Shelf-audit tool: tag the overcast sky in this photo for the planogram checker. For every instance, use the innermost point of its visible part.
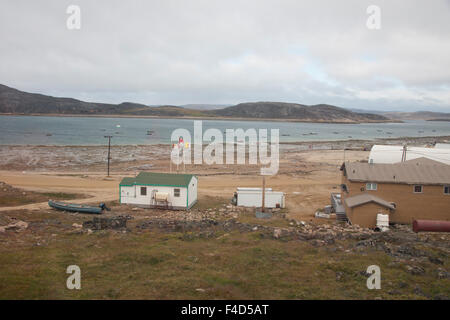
(226, 52)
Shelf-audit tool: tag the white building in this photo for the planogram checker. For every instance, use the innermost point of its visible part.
(252, 197)
(394, 154)
(159, 190)
(442, 146)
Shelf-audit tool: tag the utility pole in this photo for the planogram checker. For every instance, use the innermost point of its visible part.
(263, 193)
(404, 152)
(109, 150)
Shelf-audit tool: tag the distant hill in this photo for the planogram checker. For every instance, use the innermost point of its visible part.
(419, 115)
(202, 106)
(13, 101)
(18, 102)
(282, 110)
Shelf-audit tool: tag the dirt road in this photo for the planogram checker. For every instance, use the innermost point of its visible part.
(306, 177)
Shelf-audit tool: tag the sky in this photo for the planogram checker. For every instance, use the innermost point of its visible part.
(226, 52)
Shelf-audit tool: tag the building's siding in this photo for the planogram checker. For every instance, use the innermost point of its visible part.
(254, 198)
(127, 193)
(192, 192)
(366, 215)
(431, 204)
(146, 200)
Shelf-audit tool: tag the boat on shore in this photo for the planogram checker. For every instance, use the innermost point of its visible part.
(73, 207)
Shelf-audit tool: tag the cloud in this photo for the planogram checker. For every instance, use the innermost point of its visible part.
(179, 52)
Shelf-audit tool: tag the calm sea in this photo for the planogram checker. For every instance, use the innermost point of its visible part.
(31, 130)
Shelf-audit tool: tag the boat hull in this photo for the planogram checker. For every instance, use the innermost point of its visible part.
(74, 207)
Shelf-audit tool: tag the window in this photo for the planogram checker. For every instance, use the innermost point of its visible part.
(176, 192)
(418, 189)
(143, 191)
(371, 186)
(446, 189)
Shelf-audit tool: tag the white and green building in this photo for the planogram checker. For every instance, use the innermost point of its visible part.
(159, 190)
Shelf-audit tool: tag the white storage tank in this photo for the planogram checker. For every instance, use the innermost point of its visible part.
(383, 222)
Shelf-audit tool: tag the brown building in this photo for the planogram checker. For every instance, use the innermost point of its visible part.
(409, 190)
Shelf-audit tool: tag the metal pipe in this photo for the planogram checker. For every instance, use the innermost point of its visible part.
(431, 226)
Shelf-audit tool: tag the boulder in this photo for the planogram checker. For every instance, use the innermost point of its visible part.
(102, 223)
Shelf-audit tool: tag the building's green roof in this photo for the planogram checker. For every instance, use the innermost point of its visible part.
(158, 179)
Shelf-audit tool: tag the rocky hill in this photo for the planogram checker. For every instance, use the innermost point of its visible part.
(13, 101)
(282, 110)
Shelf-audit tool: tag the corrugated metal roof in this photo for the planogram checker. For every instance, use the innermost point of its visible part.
(417, 171)
(364, 198)
(442, 146)
(158, 179)
(393, 154)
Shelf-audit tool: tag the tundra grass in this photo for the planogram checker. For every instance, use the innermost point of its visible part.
(156, 265)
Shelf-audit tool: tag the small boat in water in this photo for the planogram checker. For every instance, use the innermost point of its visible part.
(73, 207)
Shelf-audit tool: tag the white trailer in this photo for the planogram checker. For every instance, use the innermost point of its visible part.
(159, 190)
(252, 197)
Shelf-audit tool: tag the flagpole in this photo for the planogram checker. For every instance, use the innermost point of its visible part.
(170, 158)
(184, 162)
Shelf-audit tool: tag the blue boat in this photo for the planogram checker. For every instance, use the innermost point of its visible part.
(73, 207)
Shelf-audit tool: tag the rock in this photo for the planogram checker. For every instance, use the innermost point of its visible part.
(200, 290)
(442, 273)
(418, 291)
(255, 228)
(435, 260)
(102, 223)
(394, 292)
(317, 242)
(89, 231)
(415, 270)
(364, 273)
(277, 233)
(16, 226)
(77, 225)
(339, 275)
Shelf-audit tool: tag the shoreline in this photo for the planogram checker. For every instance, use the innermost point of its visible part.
(295, 143)
(194, 118)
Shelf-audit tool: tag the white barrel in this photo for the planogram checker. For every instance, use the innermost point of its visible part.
(382, 220)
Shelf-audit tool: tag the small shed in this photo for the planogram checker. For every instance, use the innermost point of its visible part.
(363, 209)
(159, 190)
